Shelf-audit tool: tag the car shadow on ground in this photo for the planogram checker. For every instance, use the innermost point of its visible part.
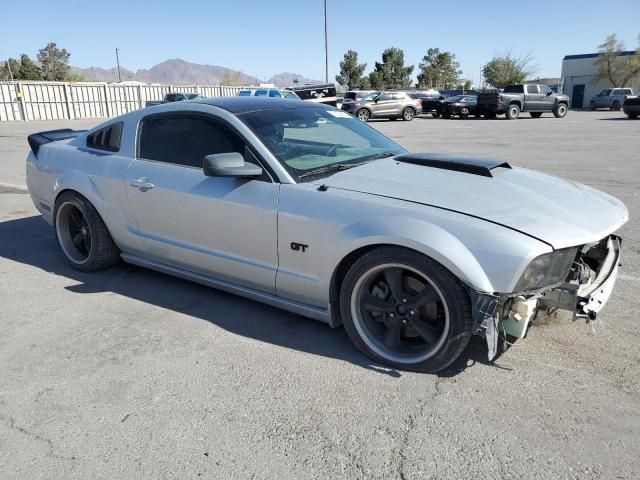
(30, 241)
(617, 119)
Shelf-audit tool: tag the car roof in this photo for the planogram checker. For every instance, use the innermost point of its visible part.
(240, 105)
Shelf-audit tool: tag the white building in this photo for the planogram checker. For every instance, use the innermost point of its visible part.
(578, 79)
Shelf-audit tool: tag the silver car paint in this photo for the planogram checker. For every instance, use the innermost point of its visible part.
(357, 210)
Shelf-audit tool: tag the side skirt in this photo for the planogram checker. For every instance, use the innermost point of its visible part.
(316, 313)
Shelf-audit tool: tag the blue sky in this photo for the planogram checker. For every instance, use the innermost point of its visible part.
(262, 38)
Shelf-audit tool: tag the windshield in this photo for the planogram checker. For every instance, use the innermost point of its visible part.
(306, 140)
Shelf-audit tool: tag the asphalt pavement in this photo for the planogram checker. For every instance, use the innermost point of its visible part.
(128, 373)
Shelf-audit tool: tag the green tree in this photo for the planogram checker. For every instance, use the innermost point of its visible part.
(391, 72)
(10, 70)
(28, 69)
(351, 71)
(618, 69)
(438, 70)
(54, 62)
(506, 69)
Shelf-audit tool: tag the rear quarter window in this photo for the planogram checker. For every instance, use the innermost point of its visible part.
(107, 138)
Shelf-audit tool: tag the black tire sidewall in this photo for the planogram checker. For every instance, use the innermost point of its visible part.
(455, 294)
(511, 116)
(104, 252)
(556, 111)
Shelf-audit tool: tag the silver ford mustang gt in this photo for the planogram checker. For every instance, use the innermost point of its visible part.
(301, 206)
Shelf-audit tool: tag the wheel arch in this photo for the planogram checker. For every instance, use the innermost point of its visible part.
(444, 249)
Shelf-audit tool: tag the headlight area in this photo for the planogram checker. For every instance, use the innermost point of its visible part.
(578, 279)
(547, 270)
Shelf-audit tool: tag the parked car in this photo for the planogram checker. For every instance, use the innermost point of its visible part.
(357, 95)
(533, 98)
(460, 106)
(387, 104)
(611, 98)
(268, 92)
(413, 253)
(631, 107)
(431, 102)
(174, 97)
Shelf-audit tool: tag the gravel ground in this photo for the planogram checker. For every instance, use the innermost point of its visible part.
(132, 374)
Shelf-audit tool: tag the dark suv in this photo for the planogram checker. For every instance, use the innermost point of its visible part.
(389, 104)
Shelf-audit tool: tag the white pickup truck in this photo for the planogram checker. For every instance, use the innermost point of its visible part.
(611, 98)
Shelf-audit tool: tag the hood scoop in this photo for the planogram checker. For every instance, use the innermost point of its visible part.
(474, 166)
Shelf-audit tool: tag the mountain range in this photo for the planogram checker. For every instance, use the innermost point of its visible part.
(180, 72)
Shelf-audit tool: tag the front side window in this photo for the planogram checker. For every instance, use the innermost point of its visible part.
(171, 97)
(184, 139)
(290, 95)
(605, 93)
(274, 94)
(385, 96)
(544, 89)
(399, 96)
(305, 140)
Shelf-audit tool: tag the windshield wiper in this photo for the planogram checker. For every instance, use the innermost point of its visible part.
(336, 167)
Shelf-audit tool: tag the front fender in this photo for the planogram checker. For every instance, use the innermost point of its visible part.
(421, 236)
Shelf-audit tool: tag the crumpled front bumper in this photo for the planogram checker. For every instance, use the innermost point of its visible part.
(584, 301)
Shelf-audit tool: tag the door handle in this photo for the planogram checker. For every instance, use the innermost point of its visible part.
(141, 183)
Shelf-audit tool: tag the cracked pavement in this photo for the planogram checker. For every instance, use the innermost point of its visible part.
(132, 374)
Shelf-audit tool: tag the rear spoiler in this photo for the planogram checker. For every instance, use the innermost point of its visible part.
(36, 140)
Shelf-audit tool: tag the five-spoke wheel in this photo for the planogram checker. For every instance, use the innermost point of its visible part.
(405, 310)
(82, 235)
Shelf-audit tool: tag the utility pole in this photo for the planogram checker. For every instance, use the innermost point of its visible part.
(9, 68)
(118, 62)
(326, 51)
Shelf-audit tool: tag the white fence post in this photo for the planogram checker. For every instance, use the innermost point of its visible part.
(106, 101)
(20, 95)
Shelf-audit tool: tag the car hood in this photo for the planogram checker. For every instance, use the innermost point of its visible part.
(556, 211)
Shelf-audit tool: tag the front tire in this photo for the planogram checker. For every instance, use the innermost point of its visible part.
(408, 114)
(464, 113)
(82, 235)
(405, 310)
(560, 111)
(363, 115)
(513, 112)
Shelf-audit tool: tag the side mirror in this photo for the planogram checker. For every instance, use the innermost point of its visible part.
(549, 93)
(230, 164)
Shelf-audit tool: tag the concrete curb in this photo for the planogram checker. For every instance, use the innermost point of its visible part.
(12, 188)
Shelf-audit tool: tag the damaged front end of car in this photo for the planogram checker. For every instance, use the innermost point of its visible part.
(577, 279)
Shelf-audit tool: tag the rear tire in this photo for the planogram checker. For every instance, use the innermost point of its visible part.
(592, 106)
(408, 114)
(560, 110)
(82, 235)
(363, 115)
(435, 114)
(378, 314)
(535, 114)
(513, 112)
